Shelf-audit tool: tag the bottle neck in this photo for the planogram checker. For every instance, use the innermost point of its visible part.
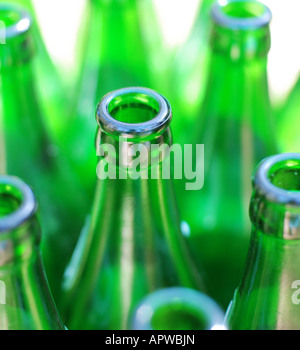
(243, 45)
(134, 222)
(26, 302)
(274, 208)
(19, 228)
(242, 89)
(239, 100)
(21, 115)
(122, 158)
(267, 297)
(20, 244)
(121, 46)
(240, 42)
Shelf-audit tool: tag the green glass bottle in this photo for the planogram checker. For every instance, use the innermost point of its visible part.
(189, 71)
(133, 244)
(115, 57)
(53, 90)
(287, 121)
(26, 302)
(267, 297)
(27, 150)
(235, 126)
(177, 308)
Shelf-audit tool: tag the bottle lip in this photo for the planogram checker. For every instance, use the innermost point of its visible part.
(26, 209)
(264, 185)
(132, 130)
(208, 308)
(223, 19)
(21, 26)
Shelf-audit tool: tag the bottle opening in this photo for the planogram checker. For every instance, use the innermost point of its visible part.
(241, 14)
(178, 316)
(14, 21)
(133, 112)
(178, 308)
(134, 107)
(10, 200)
(278, 177)
(286, 175)
(17, 203)
(9, 16)
(244, 9)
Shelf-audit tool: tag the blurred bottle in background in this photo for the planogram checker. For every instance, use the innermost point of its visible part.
(236, 126)
(188, 74)
(54, 95)
(27, 149)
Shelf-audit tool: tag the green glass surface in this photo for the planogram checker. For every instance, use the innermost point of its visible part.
(53, 92)
(115, 56)
(27, 151)
(189, 68)
(267, 297)
(26, 301)
(133, 244)
(235, 124)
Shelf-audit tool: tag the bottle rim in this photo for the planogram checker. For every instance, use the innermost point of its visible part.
(220, 17)
(264, 185)
(207, 307)
(26, 208)
(21, 26)
(132, 130)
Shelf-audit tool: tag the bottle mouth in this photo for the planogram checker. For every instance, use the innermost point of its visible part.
(241, 14)
(17, 203)
(14, 21)
(178, 308)
(133, 112)
(278, 178)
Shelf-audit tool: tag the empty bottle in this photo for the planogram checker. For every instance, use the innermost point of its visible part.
(133, 244)
(267, 297)
(26, 301)
(177, 308)
(235, 126)
(189, 69)
(27, 150)
(53, 91)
